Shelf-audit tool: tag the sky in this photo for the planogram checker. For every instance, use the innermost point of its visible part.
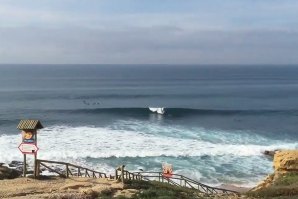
(149, 31)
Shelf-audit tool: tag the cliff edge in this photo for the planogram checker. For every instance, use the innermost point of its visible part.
(284, 180)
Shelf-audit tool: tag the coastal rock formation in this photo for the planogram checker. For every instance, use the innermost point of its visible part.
(7, 173)
(286, 161)
(285, 165)
(270, 153)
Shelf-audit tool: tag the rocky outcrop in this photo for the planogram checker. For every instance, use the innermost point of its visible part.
(270, 153)
(18, 165)
(7, 173)
(286, 161)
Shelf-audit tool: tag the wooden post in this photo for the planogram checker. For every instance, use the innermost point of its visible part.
(35, 165)
(35, 168)
(35, 156)
(38, 167)
(67, 173)
(122, 173)
(24, 166)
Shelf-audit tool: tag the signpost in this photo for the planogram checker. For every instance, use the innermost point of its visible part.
(29, 141)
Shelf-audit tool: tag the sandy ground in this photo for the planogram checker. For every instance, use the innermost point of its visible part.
(59, 188)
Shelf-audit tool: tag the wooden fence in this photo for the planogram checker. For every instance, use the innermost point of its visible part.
(122, 174)
(70, 169)
(175, 179)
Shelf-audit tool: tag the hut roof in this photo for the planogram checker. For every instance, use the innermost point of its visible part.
(29, 125)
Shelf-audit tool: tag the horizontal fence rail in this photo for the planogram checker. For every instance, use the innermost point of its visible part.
(70, 170)
(122, 174)
(175, 179)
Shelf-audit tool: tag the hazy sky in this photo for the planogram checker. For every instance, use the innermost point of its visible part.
(149, 31)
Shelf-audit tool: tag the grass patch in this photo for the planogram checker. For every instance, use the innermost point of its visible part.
(288, 179)
(158, 190)
(286, 186)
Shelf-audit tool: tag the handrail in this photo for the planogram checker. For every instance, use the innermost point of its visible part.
(95, 174)
(187, 182)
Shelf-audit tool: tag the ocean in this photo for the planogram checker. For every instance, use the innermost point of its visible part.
(218, 119)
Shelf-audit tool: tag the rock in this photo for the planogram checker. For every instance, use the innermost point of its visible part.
(8, 173)
(270, 153)
(286, 161)
(30, 172)
(15, 163)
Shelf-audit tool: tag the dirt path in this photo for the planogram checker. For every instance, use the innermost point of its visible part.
(60, 188)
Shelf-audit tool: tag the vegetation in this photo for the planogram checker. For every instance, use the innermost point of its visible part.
(284, 187)
(157, 190)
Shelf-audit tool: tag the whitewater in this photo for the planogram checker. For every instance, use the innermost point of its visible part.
(217, 122)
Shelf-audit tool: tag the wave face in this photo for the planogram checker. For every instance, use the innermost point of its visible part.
(205, 154)
(180, 111)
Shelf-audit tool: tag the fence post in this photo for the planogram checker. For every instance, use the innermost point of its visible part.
(122, 173)
(37, 167)
(67, 174)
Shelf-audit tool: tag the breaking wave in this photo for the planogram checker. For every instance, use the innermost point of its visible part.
(179, 111)
(63, 142)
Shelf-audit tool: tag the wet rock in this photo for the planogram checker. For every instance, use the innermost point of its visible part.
(270, 153)
(8, 173)
(16, 164)
(30, 172)
(58, 169)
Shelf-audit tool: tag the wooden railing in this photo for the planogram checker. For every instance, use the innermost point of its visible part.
(77, 171)
(175, 179)
(121, 174)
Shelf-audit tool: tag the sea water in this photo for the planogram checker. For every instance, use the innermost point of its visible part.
(217, 121)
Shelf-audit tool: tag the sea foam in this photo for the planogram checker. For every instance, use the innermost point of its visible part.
(66, 142)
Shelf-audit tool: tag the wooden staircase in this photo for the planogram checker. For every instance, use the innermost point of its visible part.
(123, 175)
(175, 179)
